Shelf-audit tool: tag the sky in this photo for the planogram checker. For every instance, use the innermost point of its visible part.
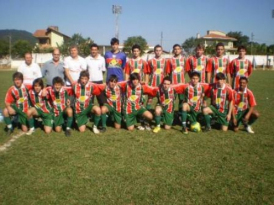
(177, 20)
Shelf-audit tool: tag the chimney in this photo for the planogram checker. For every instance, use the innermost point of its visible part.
(54, 28)
(198, 35)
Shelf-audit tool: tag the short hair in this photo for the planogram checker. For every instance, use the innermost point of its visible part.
(94, 45)
(220, 76)
(84, 73)
(195, 74)
(166, 78)
(241, 47)
(113, 78)
(219, 44)
(17, 75)
(56, 49)
(114, 41)
(199, 46)
(243, 78)
(134, 76)
(157, 46)
(73, 46)
(136, 46)
(38, 81)
(27, 53)
(57, 80)
(176, 45)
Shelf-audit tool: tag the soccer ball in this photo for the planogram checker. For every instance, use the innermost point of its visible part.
(195, 127)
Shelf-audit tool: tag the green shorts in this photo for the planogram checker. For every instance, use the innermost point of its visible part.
(131, 118)
(240, 115)
(192, 115)
(117, 115)
(59, 120)
(167, 118)
(82, 118)
(22, 117)
(47, 118)
(221, 117)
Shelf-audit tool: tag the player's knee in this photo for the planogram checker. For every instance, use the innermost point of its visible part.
(185, 107)
(256, 114)
(5, 112)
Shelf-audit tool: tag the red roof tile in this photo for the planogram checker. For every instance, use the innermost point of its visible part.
(40, 33)
(216, 36)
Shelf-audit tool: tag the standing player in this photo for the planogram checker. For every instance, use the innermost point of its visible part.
(244, 107)
(218, 64)
(158, 68)
(16, 102)
(137, 65)
(115, 61)
(222, 99)
(83, 91)
(240, 67)
(133, 106)
(61, 105)
(39, 99)
(197, 63)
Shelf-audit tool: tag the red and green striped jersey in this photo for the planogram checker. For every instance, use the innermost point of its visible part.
(19, 97)
(198, 65)
(177, 67)
(221, 97)
(166, 98)
(134, 95)
(217, 65)
(239, 68)
(158, 69)
(243, 99)
(137, 66)
(58, 100)
(114, 98)
(39, 101)
(83, 95)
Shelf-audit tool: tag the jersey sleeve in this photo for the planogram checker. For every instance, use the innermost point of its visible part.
(231, 67)
(168, 67)
(124, 60)
(69, 90)
(149, 90)
(146, 71)
(179, 88)
(188, 64)
(228, 67)
(97, 89)
(230, 95)
(122, 85)
(249, 69)
(209, 66)
(149, 69)
(206, 87)
(9, 97)
(127, 68)
(251, 99)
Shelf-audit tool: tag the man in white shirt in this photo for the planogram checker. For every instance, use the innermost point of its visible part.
(30, 70)
(96, 67)
(73, 65)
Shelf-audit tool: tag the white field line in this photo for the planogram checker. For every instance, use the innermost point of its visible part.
(8, 143)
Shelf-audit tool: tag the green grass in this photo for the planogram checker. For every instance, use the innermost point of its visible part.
(139, 167)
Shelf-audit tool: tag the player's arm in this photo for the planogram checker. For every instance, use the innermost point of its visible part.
(151, 91)
(252, 104)
(68, 76)
(179, 88)
(209, 70)
(38, 72)
(127, 71)
(230, 106)
(188, 66)
(249, 69)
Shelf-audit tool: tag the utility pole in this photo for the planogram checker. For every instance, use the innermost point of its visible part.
(252, 35)
(162, 38)
(116, 9)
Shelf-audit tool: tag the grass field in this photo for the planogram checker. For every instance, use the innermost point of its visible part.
(139, 167)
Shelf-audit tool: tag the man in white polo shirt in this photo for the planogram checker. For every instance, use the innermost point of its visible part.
(96, 67)
(30, 70)
(73, 65)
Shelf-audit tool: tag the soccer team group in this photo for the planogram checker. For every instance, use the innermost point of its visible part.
(131, 85)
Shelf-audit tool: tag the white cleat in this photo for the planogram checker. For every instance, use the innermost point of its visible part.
(30, 131)
(95, 130)
(249, 129)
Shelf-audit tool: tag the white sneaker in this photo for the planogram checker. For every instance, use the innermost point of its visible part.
(140, 127)
(147, 127)
(95, 130)
(30, 131)
(249, 129)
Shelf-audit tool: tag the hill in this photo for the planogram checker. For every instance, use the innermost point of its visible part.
(17, 35)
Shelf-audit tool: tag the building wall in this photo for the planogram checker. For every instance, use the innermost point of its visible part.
(56, 39)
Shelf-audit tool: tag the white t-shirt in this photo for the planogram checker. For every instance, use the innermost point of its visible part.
(75, 67)
(30, 72)
(96, 66)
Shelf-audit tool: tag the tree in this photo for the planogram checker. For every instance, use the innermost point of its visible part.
(270, 50)
(21, 47)
(4, 48)
(135, 40)
(241, 39)
(190, 44)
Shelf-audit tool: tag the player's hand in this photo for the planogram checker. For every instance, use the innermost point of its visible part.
(228, 117)
(235, 121)
(44, 92)
(68, 102)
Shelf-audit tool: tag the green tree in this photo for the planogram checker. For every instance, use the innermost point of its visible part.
(241, 39)
(135, 40)
(190, 44)
(21, 47)
(270, 50)
(4, 48)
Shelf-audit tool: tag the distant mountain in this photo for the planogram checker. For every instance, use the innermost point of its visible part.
(17, 35)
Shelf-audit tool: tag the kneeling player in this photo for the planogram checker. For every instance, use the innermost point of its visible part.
(39, 99)
(244, 111)
(16, 102)
(61, 105)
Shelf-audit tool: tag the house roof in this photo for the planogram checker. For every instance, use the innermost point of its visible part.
(216, 36)
(42, 33)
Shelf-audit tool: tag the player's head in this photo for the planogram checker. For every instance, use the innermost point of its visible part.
(199, 50)
(28, 58)
(166, 82)
(57, 83)
(195, 78)
(114, 42)
(84, 77)
(220, 78)
(243, 81)
(112, 81)
(242, 51)
(18, 79)
(136, 50)
(134, 79)
(177, 49)
(56, 54)
(94, 49)
(73, 51)
(38, 85)
(158, 50)
(220, 49)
